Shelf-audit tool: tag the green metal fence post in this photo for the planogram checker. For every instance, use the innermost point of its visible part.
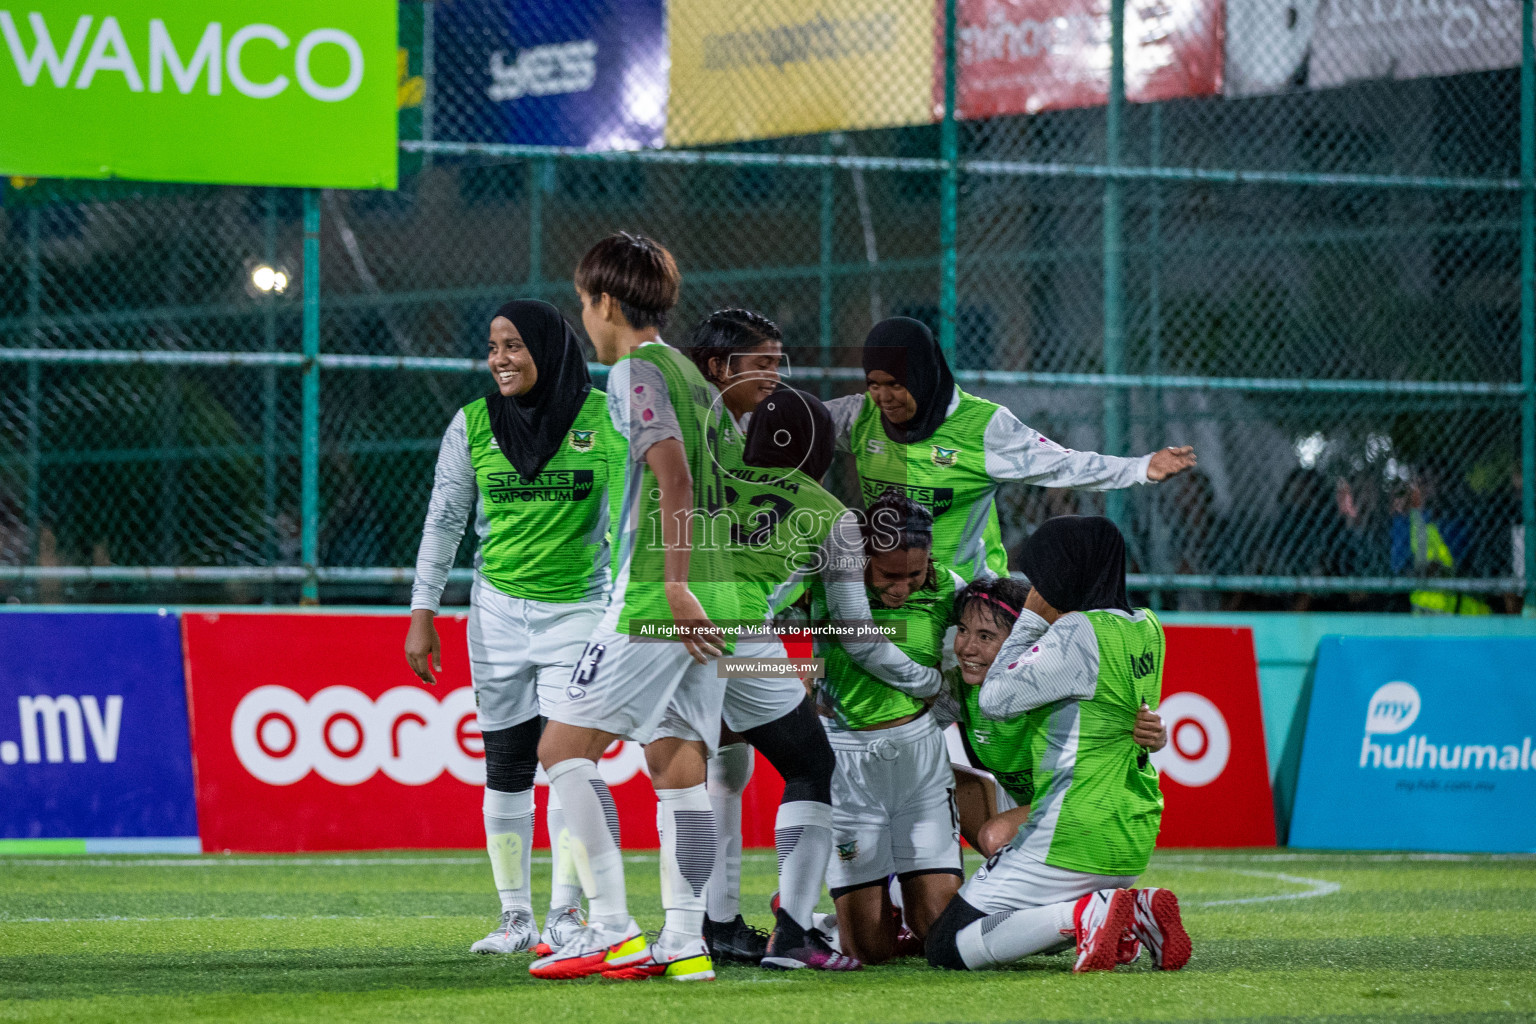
(1114, 255)
(824, 269)
(1155, 344)
(269, 392)
(949, 192)
(34, 388)
(428, 73)
(538, 170)
(1528, 301)
(309, 459)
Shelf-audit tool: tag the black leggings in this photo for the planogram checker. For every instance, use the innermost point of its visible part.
(796, 745)
(512, 756)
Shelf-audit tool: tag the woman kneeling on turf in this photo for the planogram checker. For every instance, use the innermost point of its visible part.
(1079, 663)
(993, 792)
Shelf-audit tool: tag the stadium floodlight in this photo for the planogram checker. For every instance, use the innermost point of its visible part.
(266, 279)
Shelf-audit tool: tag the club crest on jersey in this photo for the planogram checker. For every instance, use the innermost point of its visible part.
(945, 456)
(581, 440)
(848, 851)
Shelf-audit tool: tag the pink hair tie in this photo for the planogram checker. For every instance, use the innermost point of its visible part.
(1000, 604)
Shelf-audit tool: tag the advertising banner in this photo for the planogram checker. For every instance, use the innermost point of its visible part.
(93, 729)
(585, 73)
(763, 68)
(1323, 43)
(1214, 772)
(1419, 744)
(284, 93)
(1025, 56)
(327, 741)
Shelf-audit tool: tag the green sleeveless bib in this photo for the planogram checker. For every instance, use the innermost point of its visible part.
(947, 474)
(547, 539)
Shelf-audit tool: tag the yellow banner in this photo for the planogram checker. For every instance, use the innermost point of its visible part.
(760, 68)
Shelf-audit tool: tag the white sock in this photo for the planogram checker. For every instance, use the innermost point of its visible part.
(564, 885)
(1008, 936)
(802, 834)
(729, 772)
(509, 841)
(592, 822)
(687, 858)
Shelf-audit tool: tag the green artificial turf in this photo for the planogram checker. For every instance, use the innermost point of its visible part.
(1279, 936)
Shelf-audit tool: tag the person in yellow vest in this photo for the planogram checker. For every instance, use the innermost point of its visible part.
(1433, 557)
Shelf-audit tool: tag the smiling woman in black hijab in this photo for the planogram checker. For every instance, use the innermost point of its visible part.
(530, 420)
(914, 430)
(904, 350)
(533, 455)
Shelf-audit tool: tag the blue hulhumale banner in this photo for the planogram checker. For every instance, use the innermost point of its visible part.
(93, 730)
(1420, 744)
(591, 74)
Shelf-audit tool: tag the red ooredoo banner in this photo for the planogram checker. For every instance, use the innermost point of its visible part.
(310, 733)
(1214, 771)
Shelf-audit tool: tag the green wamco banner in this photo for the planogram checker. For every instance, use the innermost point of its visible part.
(284, 92)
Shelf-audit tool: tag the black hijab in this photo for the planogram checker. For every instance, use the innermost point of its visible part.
(530, 428)
(790, 430)
(906, 349)
(1077, 563)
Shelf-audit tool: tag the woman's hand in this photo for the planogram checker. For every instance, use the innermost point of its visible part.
(1149, 731)
(423, 650)
(1168, 461)
(702, 637)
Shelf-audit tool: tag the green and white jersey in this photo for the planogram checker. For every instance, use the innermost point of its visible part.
(656, 393)
(956, 472)
(542, 540)
(856, 697)
(1078, 685)
(1000, 747)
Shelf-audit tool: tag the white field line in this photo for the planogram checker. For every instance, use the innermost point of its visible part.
(1317, 886)
(281, 861)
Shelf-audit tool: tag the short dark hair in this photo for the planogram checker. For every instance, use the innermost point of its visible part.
(894, 522)
(638, 272)
(1001, 596)
(726, 331)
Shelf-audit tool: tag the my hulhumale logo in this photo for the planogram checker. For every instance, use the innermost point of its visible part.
(1395, 707)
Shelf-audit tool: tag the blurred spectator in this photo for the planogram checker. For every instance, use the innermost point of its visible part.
(1430, 541)
(1197, 538)
(1499, 547)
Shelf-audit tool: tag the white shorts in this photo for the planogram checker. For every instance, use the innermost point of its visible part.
(758, 700)
(893, 805)
(1015, 880)
(642, 690)
(521, 652)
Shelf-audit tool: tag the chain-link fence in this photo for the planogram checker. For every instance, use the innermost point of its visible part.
(1288, 233)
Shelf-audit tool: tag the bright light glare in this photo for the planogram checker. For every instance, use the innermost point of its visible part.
(1309, 449)
(269, 280)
